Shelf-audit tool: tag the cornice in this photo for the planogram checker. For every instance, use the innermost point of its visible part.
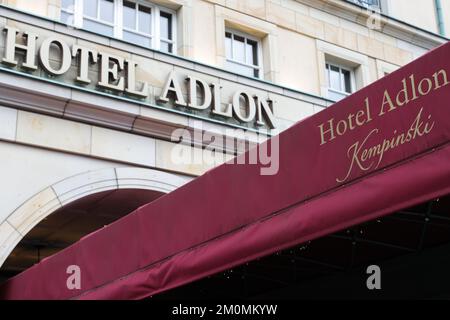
(389, 25)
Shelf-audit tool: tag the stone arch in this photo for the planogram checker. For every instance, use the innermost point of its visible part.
(70, 189)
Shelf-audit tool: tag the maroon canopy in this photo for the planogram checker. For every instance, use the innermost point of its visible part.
(382, 149)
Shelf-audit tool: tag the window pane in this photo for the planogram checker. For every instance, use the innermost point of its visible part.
(165, 25)
(252, 52)
(335, 96)
(66, 18)
(335, 78)
(129, 15)
(68, 4)
(144, 18)
(228, 45)
(137, 39)
(90, 8)
(367, 3)
(107, 10)
(235, 67)
(166, 47)
(239, 49)
(347, 81)
(98, 27)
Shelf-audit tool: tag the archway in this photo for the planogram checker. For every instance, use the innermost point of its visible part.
(81, 203)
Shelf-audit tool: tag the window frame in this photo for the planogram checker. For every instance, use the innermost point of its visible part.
(136, 14)
(67, 10)
(341, 67)
(259, 55)
(118, 25)
(364, 4)
(75, 12)
(98, 19)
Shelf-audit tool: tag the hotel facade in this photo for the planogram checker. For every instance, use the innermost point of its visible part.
(101, 101)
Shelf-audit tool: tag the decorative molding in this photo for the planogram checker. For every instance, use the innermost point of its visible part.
(66, 191)
(389, 25)
(105, 111)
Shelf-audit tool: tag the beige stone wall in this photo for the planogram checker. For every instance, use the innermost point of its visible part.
(203, 37)
(154, 69)
(46, 8)
(446, 10)
(288, 30)
(295, 27)
(94, 142)
(421, 13)
(36, 182)
(297, 61)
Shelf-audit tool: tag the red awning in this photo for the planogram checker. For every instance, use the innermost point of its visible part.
(389, 149)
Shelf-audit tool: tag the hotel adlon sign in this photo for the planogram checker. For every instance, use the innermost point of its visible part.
(118, 75)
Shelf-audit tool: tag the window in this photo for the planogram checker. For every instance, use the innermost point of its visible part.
(68, 11)
(374, 4)
(138, 22)
(137, 25)
(243, 54)
(343, 71)
(385, 68)
(165, 29)
(340, 81)
(98, 16)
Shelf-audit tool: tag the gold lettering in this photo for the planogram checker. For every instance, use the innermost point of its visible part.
(437, 84)
(359, 154)
(386, 101)
(341, 127)
(355, 149)
(413, 86)
(402, 94)
(359, 114)
(350, 121)
(369, 117)
(330, 130)
(428, 126)
(430, 84)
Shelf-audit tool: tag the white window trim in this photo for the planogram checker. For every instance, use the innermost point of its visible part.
(70, 11)
(174, 31)
(384, 67)
(366, 5)
(341, 67)
(246, 36)
(98, 19)
(118, 22)
(357, 61)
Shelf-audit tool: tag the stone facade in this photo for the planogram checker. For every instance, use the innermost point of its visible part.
(52, 129)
